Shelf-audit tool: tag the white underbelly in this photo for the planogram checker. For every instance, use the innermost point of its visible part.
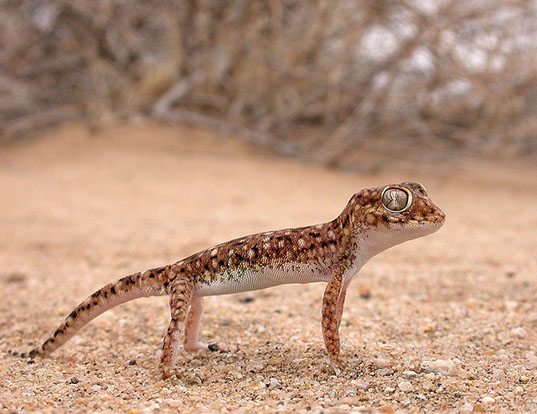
(247, 280)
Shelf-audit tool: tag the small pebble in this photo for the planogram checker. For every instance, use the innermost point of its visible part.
(74, 380)
(487, 400)
(383, 361)
(532, 361)
(387, 409)
(439, 366)
(132, 362)
(247, 299)
(428, 385)
(350, 391)
(510, 274)
(16, 277)
(478, 408)
(468, 407)
(409, 374)
(519, 332)
(274, 383)
(360, 385)
(405, 386)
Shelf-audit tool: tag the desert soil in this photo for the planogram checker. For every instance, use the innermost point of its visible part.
(447, 323)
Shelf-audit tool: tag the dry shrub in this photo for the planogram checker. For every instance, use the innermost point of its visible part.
(318, 79)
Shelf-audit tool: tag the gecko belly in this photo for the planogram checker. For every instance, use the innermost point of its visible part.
(243, 280)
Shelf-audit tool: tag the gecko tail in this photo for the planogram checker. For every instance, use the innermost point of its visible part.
(137, 285)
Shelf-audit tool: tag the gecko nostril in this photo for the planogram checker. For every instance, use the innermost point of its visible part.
(439, 217)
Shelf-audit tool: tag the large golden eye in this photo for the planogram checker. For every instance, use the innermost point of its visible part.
(396, 199)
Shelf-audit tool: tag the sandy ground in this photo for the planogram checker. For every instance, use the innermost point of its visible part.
(444, 323)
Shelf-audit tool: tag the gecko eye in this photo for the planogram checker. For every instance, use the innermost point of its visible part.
(396, 199)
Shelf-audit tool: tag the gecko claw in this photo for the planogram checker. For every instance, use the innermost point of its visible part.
(166, 373)
(338, 367)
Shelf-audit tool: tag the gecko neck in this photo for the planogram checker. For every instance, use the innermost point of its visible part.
(362, 239)
(370, 240)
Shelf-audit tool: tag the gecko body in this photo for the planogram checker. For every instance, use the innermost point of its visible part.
(373, 220)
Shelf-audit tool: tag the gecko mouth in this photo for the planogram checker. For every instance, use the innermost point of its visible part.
(436, 219)
(435, 223)
(426, 226)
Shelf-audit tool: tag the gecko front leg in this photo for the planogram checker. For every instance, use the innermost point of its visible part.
(341, 301)
(192, 330)
(331, 315)
(180, 298)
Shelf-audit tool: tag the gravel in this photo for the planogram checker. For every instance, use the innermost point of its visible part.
(433, 325)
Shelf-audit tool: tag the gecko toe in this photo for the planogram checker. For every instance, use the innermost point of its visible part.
(166, 373)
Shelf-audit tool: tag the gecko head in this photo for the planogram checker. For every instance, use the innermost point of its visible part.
(400, 211)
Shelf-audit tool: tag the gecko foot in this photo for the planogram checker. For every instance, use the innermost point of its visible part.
(202, 346)
(166, 372)
(337, 367)
(342, 370)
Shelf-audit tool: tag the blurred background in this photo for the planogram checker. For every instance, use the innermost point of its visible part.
(319, 80)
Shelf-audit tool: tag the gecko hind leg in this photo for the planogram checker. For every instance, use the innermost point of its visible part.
(180, 298)
(341, 301)
(192, 330)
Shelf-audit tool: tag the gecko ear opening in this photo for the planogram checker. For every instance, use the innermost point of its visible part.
(396, 199)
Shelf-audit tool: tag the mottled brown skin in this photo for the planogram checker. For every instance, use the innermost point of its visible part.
(180, 295)
(331, 315)
(336, 249)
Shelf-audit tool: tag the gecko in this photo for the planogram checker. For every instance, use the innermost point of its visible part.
(373, 220)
